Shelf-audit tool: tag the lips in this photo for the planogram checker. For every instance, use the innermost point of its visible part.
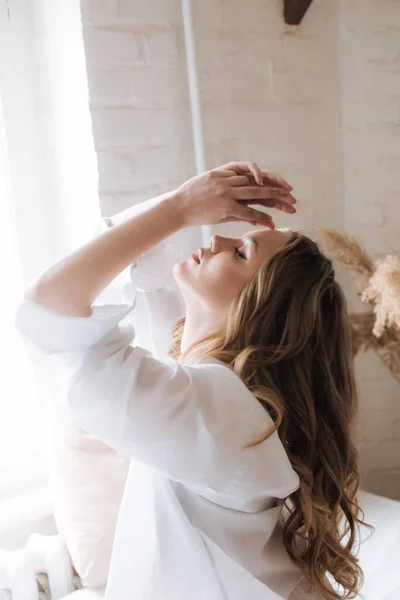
(198, 257)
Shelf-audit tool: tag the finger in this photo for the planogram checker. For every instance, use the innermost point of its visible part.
(272, 203)
(245, 167)
(224, 172)
(258, 192)
(256, 172)
(271, 182)
(284, 195)
(237, 180)
(239, 166)
(242, 167)
(246, 213)
(275, 179)
(238, 220)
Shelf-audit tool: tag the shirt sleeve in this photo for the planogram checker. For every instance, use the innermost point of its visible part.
(152, 271)
(190, 422)
(148, 286)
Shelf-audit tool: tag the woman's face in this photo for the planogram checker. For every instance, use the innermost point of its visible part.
(217, 274)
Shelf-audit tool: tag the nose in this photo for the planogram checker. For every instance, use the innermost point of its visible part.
(219, 243)
(215, 244)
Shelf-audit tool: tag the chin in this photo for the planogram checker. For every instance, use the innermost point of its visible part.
(185, 278)
(179, 270)
(181, 273)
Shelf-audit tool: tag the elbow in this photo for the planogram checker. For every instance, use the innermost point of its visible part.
(58, 302)
(38, 292)
(32, 293)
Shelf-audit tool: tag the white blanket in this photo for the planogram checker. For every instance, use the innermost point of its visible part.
(379, 555)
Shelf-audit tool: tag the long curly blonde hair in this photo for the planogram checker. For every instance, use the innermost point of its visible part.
(288, 339)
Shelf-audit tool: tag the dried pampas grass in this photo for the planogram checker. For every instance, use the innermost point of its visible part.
(379, 287)
(383, 291)
(348, 251)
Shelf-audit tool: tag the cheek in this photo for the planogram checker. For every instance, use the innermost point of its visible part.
(221, 280)
(217, 281)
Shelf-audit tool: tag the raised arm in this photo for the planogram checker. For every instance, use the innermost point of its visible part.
(70, 286)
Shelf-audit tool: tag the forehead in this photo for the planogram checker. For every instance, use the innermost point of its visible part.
(269, 240)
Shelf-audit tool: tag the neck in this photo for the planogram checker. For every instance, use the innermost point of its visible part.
(199, 323)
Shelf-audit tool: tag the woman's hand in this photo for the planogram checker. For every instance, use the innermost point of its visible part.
(225, 194)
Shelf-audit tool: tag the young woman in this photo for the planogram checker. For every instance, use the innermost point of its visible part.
(244, 476)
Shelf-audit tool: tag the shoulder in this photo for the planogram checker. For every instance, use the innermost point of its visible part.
(226, 397)
(235, 416)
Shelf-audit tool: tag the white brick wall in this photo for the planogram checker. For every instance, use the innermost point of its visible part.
(319, 103)
(139, 102)
(369, 57)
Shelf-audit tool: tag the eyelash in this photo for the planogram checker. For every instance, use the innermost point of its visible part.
(239, 254)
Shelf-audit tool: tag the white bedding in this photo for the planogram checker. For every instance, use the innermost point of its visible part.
(86, 594)
(379, 555)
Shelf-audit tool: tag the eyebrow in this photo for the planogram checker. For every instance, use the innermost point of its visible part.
(252, 241)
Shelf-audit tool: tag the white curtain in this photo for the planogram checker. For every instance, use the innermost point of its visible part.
(18, 449)
(48, 198)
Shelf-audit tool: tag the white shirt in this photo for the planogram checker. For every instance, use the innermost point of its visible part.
(200, 516)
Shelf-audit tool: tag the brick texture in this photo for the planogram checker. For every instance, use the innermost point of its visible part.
(319, 103)
(369, 58)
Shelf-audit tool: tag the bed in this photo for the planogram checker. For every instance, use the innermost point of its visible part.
(379, 553)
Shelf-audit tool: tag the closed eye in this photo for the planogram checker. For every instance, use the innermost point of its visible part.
(240, 254)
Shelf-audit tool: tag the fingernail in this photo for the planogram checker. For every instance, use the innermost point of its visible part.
(270, 224)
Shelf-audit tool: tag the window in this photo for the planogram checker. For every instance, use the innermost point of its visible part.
(21, 449)
(48, 200)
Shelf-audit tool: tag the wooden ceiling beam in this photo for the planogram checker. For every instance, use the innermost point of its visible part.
(294, 10)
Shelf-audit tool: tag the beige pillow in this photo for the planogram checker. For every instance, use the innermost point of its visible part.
(86, 476)
(87, 480)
